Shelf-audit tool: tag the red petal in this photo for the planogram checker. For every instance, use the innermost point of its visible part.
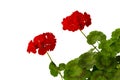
(31, 47)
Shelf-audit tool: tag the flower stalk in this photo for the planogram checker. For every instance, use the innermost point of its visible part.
(49, 57)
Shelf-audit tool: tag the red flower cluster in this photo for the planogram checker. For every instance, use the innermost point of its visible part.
(43, 42)
(76, 21)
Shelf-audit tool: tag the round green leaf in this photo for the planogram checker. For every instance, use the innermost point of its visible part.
(61, 66)
(95, 36)
(100, 75)
(87, 60)
(105, 63)
(53, 69)
(116, 34)
(74, 72)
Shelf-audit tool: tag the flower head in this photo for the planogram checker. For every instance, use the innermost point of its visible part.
(43, 42)
(31, 47)
(76, 21)
(87, 19)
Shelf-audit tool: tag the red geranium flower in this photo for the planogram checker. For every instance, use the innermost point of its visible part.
(87, 19)
(76, 21)
(43, 42)
(31, 47)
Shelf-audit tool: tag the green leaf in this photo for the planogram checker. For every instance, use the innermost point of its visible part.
(116, 75)
(106, 45)
(95, 36)
(100, 75)
(116, 34)
(53, 69)
(116, 46)
(87, 60)
(61, 66)
(108, 48)
(74, 72)
(118, 66)
(105, 63)
(116, 39)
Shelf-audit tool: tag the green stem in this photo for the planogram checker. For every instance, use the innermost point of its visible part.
(49, 57)
(86, 38)
(60, 75)
(53, 62)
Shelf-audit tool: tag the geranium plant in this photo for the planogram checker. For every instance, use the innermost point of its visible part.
(101, 62)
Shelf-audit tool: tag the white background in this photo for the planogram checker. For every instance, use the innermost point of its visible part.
(21, 20)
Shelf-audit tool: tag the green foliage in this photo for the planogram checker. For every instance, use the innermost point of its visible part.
(116, 46)
(107, 49)
(53, 69)
(97, 65)
(111, 46)
(61, 66)
(74, 72)
(95, 36)
(87, 60)
(100, 75)
(100, 64)
(116, 75)
(116, 34)
(105, 63)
